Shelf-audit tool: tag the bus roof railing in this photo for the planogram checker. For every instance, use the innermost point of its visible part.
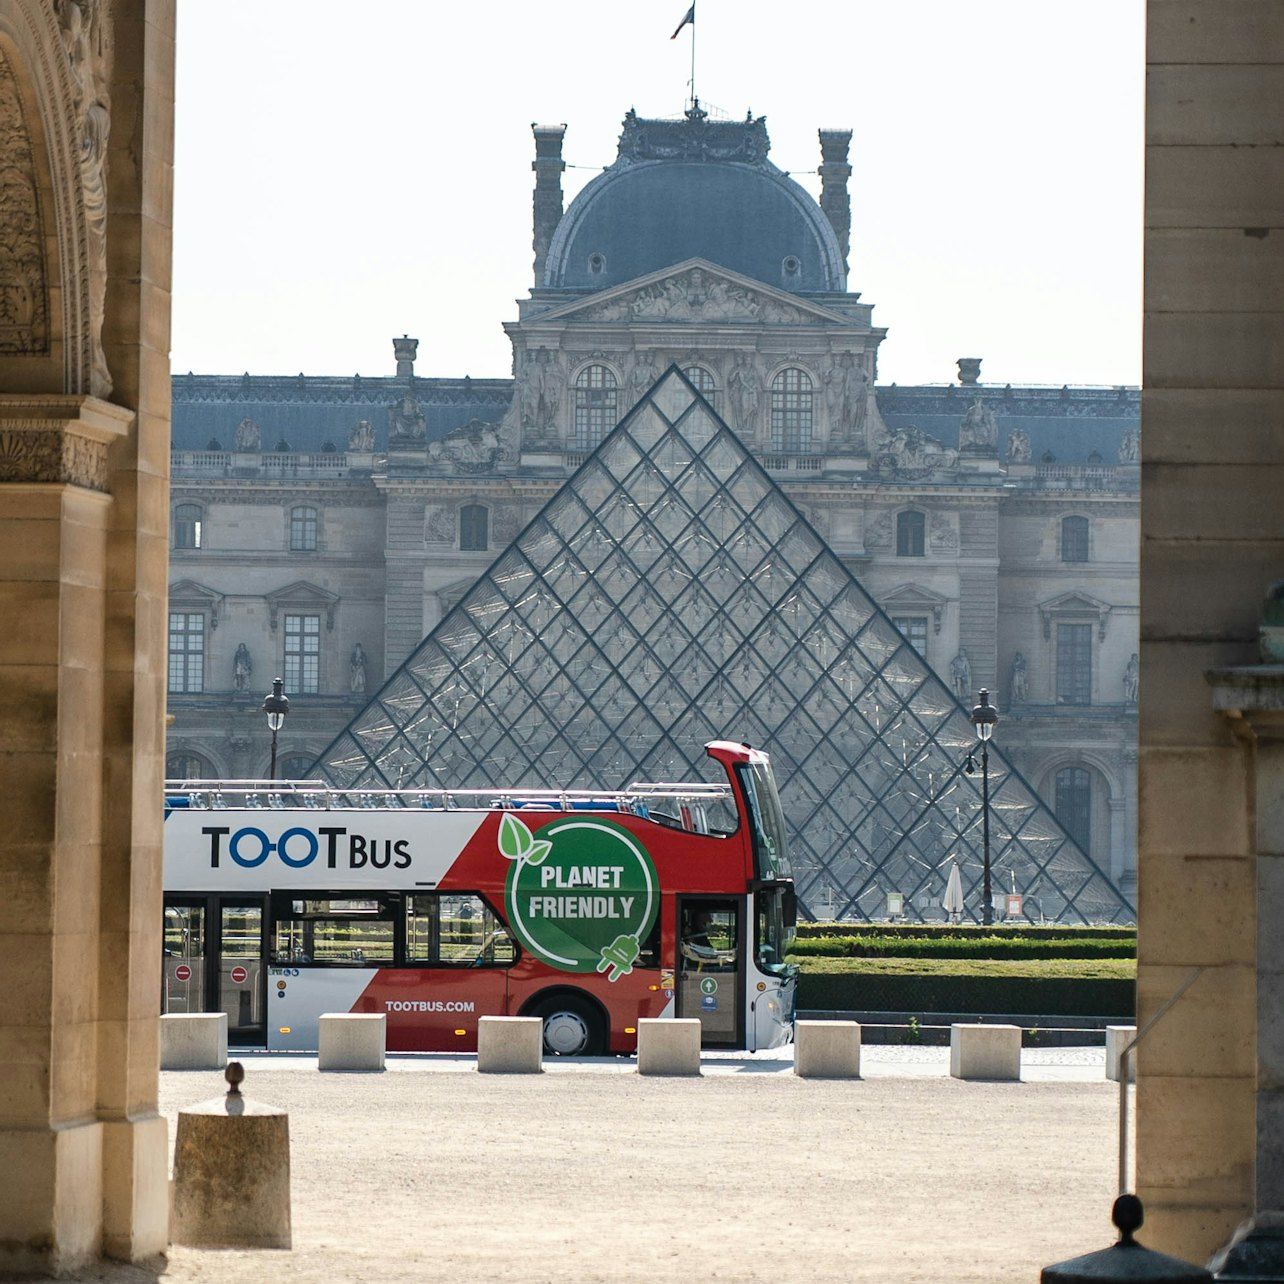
(273, 795)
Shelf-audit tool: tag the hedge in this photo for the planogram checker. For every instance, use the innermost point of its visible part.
(976, 945)
(1043, 996)
(967, 931)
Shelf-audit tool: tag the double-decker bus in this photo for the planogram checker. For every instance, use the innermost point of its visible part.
(588, 909)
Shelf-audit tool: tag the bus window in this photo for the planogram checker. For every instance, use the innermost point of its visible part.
(767, 821)
(456, 929)
(333, 932)
(777, 923)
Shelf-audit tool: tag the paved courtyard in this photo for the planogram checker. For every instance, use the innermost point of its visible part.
(588, 1172)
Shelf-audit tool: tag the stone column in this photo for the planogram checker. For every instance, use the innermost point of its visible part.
(83, 545)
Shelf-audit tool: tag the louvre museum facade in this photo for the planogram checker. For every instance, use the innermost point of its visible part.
(692, 512)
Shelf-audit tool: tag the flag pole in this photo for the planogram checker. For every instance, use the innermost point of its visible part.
(694, 101)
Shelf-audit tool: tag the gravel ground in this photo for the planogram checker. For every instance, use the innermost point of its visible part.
(590, 1173)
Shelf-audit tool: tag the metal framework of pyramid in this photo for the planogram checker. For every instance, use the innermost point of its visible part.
(671, 594)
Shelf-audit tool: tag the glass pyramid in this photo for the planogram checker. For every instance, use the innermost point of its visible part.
(671, 594)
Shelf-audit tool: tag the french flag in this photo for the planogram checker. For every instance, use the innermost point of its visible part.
(689, 18)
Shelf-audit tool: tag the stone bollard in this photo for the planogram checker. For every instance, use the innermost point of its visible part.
(668, 1046)
(1118, 1037)
(351, 1041)
(193, 1041)
(985, 1051)
(827, 1049)
(231, 1185)
(510, 1045)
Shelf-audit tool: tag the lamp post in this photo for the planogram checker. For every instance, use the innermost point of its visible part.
(276, 705)
(984, 716)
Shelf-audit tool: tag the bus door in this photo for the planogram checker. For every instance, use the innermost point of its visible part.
(711, 972)
(214, 961)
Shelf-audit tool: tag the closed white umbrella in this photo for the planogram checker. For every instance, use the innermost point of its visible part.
(953, 901)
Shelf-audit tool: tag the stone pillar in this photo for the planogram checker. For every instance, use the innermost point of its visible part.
(548, 166)
(83, 551)
(834, 172)
(1212, 471)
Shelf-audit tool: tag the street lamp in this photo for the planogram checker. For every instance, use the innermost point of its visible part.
(276, 706)
(984, 716)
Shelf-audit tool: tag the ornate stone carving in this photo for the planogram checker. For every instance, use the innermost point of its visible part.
(909, 454)
(86, 27)
(361, 439)
(248, 439)
(695, 137)
(24, 305)
(878, 534)
(943, 534)
(695, 296)
(847, 393)
(242, 667)
(474, 449)
(961, 676)
(1130, 447)
(406, 419)
(357, 670)
(1018, 446)
(53, 456)
(439, 525)
(1019, 687)
(979, 431)
(644, 373)
(744, 394)
(537, 397)
(1132, 679)
(506, 522)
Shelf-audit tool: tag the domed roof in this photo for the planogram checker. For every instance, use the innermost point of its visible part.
(694, 188)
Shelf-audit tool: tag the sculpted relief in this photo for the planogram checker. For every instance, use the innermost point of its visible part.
(537, 397)
(475, 448)
(909, 454)
(24, 305)
(695, 296)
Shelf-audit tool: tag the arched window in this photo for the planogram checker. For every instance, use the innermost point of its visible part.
(189, 522)
(1074, 804)
(595, 406)
(703, 381)
(303, 529)
(295, 766)
(1074, 539)
(911, 526)
(187, 766)
(791, 397)
(474, 528)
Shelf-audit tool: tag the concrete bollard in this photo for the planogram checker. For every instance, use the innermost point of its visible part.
(985, 1051)
(1118, 1037)
(193, 1041)
(668, 1046)
(231, 1185)
(827, 1049)
(510, 1045)
(351, 1041)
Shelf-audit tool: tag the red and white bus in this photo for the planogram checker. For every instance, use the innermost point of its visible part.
(438, 907)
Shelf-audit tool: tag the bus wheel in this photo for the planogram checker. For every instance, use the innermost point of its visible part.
(571, 1027)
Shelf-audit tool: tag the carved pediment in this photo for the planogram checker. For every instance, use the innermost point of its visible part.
(188, 595)
(916, 599)
(1074, 604)
(696, 291)
(301, 596)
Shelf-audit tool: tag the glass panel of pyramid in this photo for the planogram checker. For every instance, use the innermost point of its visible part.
(671, 594)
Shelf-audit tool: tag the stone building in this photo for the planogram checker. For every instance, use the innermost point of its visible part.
(322, 527)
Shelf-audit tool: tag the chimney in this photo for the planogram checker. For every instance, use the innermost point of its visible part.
(548, 166)
(834, 173)
(405, 349)
(969, 370)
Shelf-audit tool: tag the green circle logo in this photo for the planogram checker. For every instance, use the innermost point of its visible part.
(582, 896)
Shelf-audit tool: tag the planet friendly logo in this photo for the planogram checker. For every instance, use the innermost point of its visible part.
(582, 896)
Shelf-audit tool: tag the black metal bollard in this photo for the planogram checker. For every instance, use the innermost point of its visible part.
(1127, 1260)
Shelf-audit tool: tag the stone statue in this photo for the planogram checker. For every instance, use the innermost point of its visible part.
(242, 667)
(643, 376)
(979, 430)
(855, 398)
(362, 436)
(1020, 691)
(1018, 446)
(1130, 447)
(743, 390)
(543, 395)
(833, 382)
(357, 669)
(406, 419)
(961, 676)
(1132, 678)
(248, 437)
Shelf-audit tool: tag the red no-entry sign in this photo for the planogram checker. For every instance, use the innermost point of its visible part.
(182, 972)
(238, 974)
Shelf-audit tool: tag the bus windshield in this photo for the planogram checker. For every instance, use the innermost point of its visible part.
(767, 822)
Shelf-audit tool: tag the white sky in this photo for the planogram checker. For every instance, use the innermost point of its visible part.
(350, 171)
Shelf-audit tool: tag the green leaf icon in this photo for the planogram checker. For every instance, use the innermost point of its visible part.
(539, 849)
(514, 838)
